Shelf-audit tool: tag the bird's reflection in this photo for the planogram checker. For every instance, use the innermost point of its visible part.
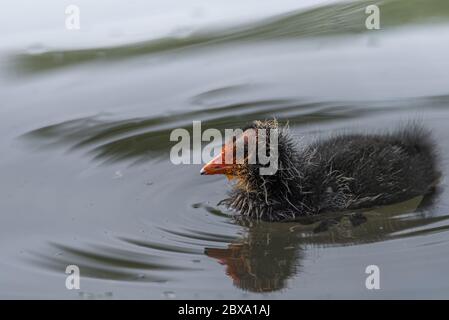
(271, 253)
(263, 260)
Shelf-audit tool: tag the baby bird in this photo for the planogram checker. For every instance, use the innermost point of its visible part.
(341, 173)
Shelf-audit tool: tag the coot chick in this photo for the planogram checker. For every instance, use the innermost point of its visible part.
(343, 172)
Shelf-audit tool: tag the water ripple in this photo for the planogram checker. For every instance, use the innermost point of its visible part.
(328, 20)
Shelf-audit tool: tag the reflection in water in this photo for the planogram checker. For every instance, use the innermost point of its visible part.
(309, 61)
(340, 19)
(105, 262)
(262, 260)
(143, 139)
(270, 253)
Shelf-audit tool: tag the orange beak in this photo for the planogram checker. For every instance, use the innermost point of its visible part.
(218, 166)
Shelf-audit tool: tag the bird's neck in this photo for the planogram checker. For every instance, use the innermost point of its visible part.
(283, 184)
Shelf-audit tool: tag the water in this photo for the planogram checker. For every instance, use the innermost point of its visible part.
(84, 134)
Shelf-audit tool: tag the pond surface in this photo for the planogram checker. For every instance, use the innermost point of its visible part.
(85, 119)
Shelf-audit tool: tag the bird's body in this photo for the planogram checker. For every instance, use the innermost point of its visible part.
(343, 172)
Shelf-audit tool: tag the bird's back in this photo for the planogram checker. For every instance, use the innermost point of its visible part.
(363, 170)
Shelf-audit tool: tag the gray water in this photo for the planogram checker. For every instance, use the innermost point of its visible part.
(85, 119)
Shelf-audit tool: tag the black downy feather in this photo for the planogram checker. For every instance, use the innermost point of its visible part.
(343, 172)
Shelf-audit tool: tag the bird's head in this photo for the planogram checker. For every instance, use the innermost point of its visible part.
(268, 173)
(253, 152)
